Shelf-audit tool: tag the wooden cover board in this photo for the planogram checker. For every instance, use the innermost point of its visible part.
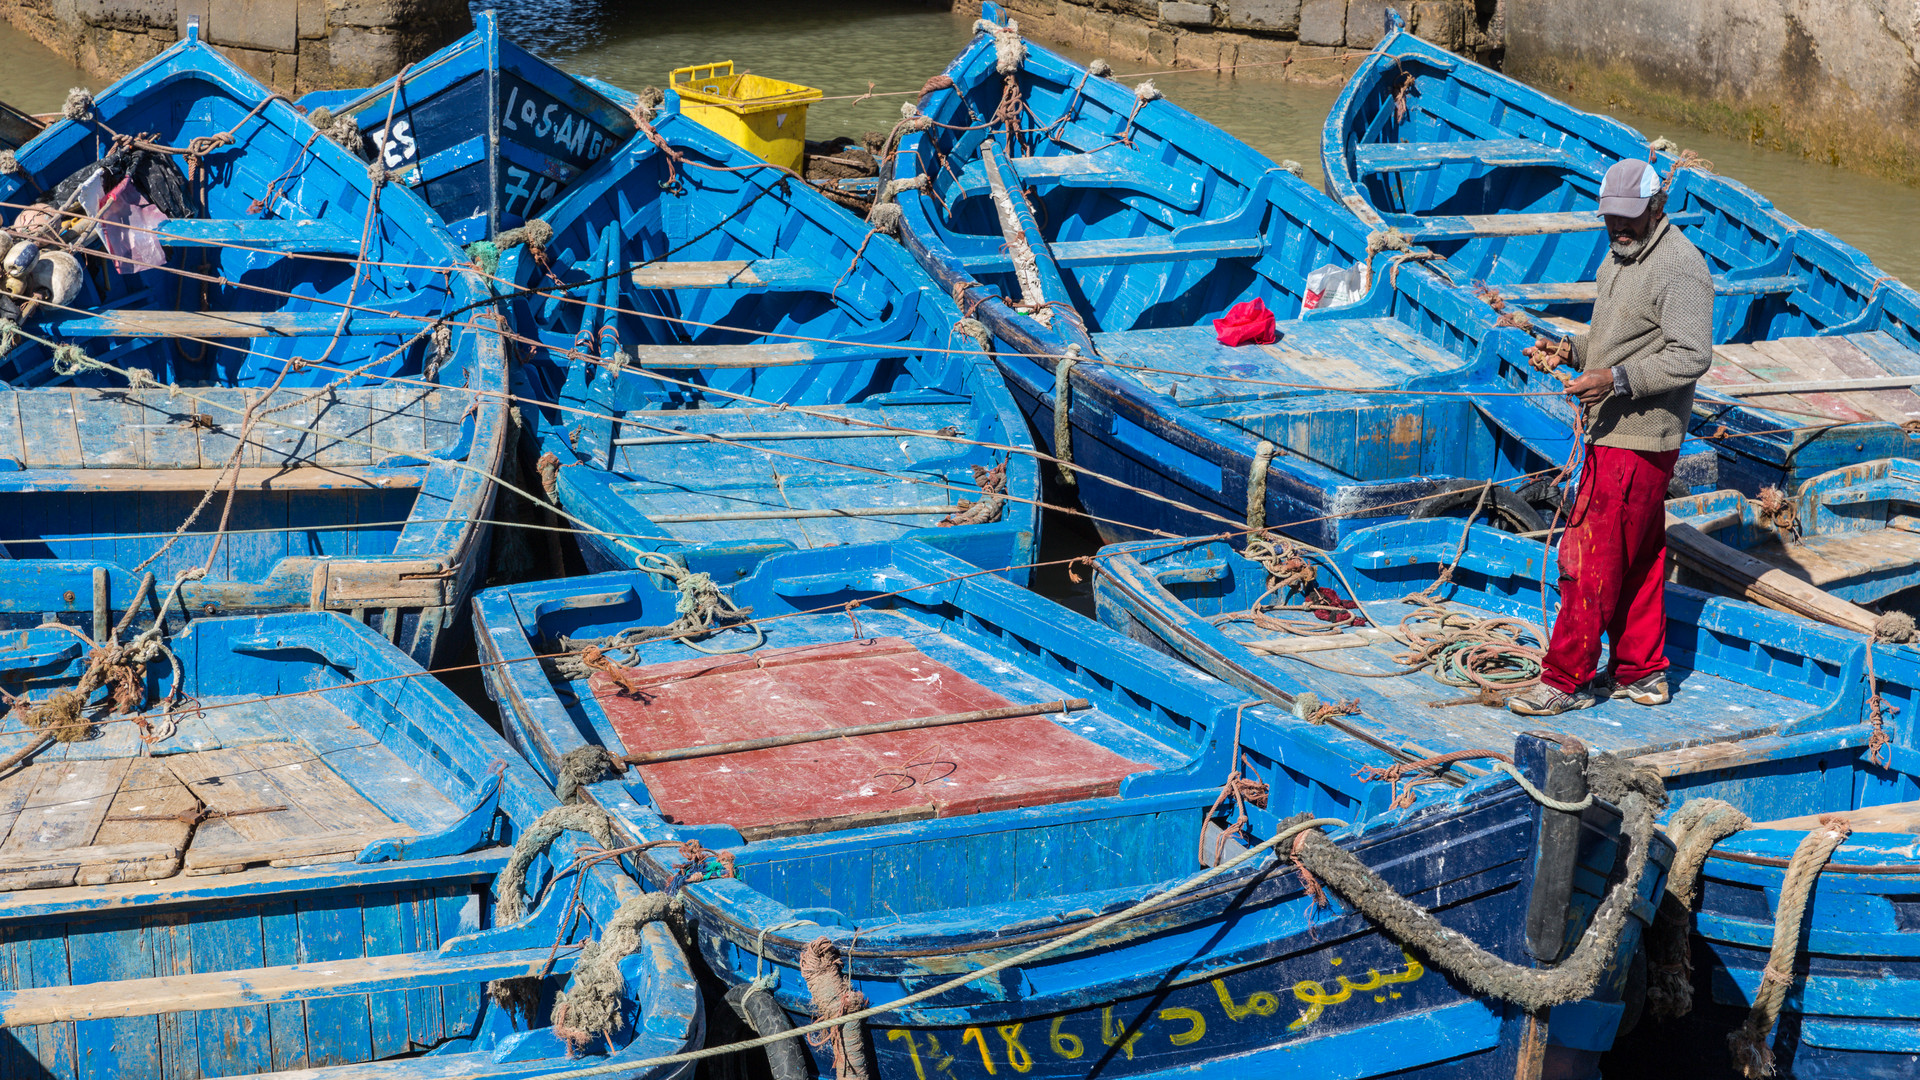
(843, 783)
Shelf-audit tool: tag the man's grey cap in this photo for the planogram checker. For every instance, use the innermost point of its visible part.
(1628, 186)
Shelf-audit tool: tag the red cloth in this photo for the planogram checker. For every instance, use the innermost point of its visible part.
(1246, 324)
(1613, 560)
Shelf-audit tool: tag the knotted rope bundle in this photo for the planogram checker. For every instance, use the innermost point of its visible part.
(579, 767)
(511, 904)
(832, 997)
(1638, 794)
(1752, 1056)
(590, 1006)
(1694, 829)
(993, 487)
(701, 609)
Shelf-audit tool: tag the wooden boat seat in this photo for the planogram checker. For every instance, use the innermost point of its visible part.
(789, 275)
(1116, 171)
(226, 324)
(1162, 247)
(93, 821)
(762, 355)
(1839, 558)
(854, 782)
(1466, 227)
(304, 237)
(1891, 818)
(1582, 292)
(1505, 153)
(267, 985)
(304, 477)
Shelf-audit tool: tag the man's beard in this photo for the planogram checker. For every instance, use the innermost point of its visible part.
(1627, 246)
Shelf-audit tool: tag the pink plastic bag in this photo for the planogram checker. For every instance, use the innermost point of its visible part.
(1249, 323)
(127, 224)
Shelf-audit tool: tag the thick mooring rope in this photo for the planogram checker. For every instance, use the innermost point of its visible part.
(590, 1005)
(511, 904)
(1257, 485)
(1063, 415)
(1752, 1056)
(1694, 829)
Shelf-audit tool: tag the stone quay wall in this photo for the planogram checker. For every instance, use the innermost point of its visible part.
(1304, 40)
(293, 46)
(1831, 80)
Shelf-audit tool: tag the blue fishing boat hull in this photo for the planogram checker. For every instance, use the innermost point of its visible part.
(486, 132)
(1770, 713)
(1245, 973)
(141, 410)
(301, 876)
(1503, 181)
(1148, 222)
(747, 369)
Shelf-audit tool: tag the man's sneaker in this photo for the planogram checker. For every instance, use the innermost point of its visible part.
(1544, 700)
(1647, 690)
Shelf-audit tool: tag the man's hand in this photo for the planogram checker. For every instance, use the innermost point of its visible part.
(1593, 387)
(1546, 353)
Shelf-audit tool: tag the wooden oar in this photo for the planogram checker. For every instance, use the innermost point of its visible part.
(1009, 712)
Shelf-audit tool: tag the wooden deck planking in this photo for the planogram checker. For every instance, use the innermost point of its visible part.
(1895, 406)
(998, 764)
(1824, 560)
(1734, 366)
(70, 799)
(1812, 364)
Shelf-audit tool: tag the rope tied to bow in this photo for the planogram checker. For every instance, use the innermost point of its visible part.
(1401, 776)
(993, 487)
(1694, 829)
(590, 1005)
(1063, 414)
(1257, 485)
(1752, 1055)
(510, 887)
(833, 997)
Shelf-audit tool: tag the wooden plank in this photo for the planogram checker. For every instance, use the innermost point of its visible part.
(308, 850)
(1761, 583)
(1894, 404)
(775, 354)
(229, 324)
(292, 478)
(1742, 365)
(1292, 646)
(149, 791)
(307, 782)
(1501, 153)
(301, 235)
(1891, 818)
(64, 812)
(15, 788)
(1817, 365)
(89, 864)
(47, 433)
(229, 781)
(717, 274)
(293, 982)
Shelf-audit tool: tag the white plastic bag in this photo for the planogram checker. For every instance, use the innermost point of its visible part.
(1333, 286)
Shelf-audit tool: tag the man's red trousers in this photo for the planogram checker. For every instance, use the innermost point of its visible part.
(1613, 570)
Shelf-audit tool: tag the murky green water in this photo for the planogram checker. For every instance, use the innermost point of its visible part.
(896, 44)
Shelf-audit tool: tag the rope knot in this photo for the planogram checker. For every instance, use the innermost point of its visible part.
(9, 164)
(1896, 627)
(1387, 239)
(70, 360)
(1100, 69)
(1008, 50)
(1145, 92)
(1294, 167)
(79, 105)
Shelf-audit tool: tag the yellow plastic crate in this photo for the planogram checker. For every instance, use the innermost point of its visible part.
(766, 116)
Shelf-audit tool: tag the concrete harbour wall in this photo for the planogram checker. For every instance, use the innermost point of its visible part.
(1308, 40)
(1832, 80)
(292, 45)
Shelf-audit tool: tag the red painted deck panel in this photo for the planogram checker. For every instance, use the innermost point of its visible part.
(843, 783)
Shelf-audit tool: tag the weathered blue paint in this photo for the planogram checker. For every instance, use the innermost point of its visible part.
(1770, 712)
(781, 327)
(1503, 181)
(486, 132)
(1246, 969)
(409, 931)
(1146, 223)
(1848, 530)
(98, 476)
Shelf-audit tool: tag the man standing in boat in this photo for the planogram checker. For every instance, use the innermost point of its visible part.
(1650, 340)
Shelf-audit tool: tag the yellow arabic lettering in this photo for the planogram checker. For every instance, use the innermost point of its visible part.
(972, 1034)
(1017, 1055)
(1194, 1033)
(1066, 1044)
(1259, 1003)
(1317, 997)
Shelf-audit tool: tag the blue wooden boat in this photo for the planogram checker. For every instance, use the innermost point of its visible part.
(921, 856)
(289, 851)
(1850, 531)
(361, 407)
(486, 132)
(1503, 181)
(1145, 222)
(1771, 713)
(746, 368)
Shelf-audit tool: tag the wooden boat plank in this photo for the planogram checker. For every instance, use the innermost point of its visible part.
(999, 764)
(1887, 818)
(296, 478)
(341, 418)
(1350, 354)
(1126, 251)
(1112, 171)
(227, 324)
(307, 781)
(1391, 157)
(220, 852)
(327, 978)
(1791, 362)
(792, 274)
(68, 803)
(150, 790)
(1892, 405)
(305, 236)
(15, 788)
(167, 437)
(47, 432)
(1893, 357)
(231, 782)
(1740, 365)
(1832, 559)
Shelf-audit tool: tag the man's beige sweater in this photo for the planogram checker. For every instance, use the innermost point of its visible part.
(1652, 320)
